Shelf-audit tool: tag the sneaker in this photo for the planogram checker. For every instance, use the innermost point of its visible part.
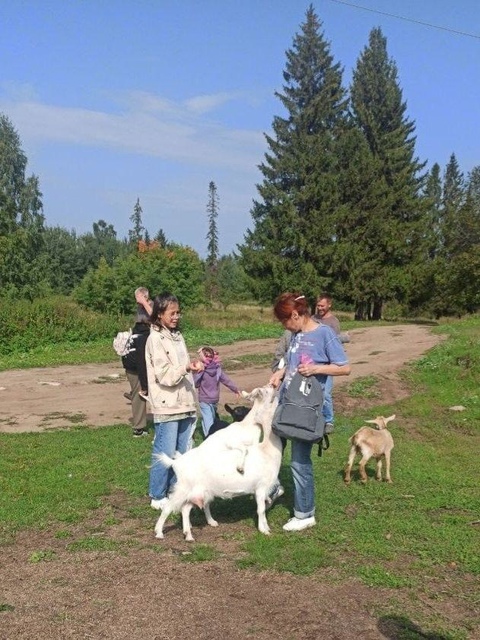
(158, 504)
(143, 396)
(127, 395)
(138, 433)
(278, 493)
(329, 427)
(297, 524)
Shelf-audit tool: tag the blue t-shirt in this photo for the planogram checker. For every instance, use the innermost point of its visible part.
(320, 346)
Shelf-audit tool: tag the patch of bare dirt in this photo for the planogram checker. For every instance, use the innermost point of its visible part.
(92, 394)
(148, 591)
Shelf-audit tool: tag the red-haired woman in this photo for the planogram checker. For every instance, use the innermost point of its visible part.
(314, 350)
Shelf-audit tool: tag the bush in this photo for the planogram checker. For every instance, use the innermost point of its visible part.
(173, 268)
(26, 325)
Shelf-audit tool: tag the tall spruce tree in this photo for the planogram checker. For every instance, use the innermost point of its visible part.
(394, 241)
(212, 234)
(211, 276)
(458, 274)
(291, 244)
(454, 194)
(136, 233)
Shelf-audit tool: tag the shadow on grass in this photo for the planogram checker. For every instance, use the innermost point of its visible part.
(401, 628)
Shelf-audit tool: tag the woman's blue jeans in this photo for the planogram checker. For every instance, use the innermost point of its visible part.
(327, 409)
(303, 483)
(171, 436)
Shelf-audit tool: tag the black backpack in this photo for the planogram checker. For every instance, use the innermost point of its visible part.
(299, 416)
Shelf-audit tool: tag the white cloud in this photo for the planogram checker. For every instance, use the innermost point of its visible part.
(204, 103)
(149, 125)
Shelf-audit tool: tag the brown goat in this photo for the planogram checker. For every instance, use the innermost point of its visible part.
(368, 442)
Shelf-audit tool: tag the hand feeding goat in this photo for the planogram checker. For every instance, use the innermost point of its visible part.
(206, 472)
(370, 443)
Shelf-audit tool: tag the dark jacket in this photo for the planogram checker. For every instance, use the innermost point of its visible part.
(208, 383)
(134, 361)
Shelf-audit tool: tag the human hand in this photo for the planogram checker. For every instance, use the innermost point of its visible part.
(276, 378)
(307, 369)
(196, 365)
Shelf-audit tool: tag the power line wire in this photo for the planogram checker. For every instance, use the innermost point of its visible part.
(392, 15)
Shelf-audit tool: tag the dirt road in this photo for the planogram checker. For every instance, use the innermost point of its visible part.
(40, 399)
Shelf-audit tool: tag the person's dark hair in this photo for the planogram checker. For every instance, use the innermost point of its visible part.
(142, 315)
(325, 295)
(160, 304)
(287, 303)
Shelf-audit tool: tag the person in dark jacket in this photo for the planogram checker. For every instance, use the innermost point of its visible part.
(136, 369)
(208, 384)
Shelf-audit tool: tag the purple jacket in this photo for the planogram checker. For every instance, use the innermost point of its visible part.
(208, 383)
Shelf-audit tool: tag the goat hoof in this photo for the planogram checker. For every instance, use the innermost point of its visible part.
(213, 523)
(189, 538)
(159, 535)
(241, 470)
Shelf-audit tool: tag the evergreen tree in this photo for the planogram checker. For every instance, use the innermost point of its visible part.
(211, 271)
(291, 245)
(21, 218)
(433, 193)
(212, 235)
(161, 238)
(454, 194)
(379, 111)
(136, 233)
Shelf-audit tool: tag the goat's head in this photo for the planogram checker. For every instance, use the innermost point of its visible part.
(381, 422)
(237, 413)
(264, 394)
(265, 400)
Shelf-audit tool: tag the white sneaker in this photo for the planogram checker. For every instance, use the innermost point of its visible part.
(297, 524)
(158, 504)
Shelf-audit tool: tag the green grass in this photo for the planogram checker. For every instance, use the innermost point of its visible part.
(409, 537)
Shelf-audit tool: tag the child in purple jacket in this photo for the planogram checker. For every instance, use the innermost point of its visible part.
(208, 384)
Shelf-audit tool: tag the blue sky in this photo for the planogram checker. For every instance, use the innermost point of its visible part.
(153, 99)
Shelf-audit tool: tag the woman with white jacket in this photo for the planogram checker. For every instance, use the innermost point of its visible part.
(171, 392)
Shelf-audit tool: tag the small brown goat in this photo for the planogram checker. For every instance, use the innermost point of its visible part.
(368, 442)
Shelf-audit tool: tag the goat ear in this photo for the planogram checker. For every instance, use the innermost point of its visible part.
(254, 393)
(390, 418)
(379, 421)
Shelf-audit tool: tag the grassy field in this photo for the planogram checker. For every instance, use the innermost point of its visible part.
(419, 538)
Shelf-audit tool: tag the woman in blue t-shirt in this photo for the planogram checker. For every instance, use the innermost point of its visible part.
(314, 350)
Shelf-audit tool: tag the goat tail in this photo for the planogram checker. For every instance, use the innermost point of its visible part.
(164, 459)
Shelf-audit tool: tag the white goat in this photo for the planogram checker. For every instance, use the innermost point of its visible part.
(204, 472)
(370, 443)
(240, 434)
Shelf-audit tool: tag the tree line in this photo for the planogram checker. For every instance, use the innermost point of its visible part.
(344, 205)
